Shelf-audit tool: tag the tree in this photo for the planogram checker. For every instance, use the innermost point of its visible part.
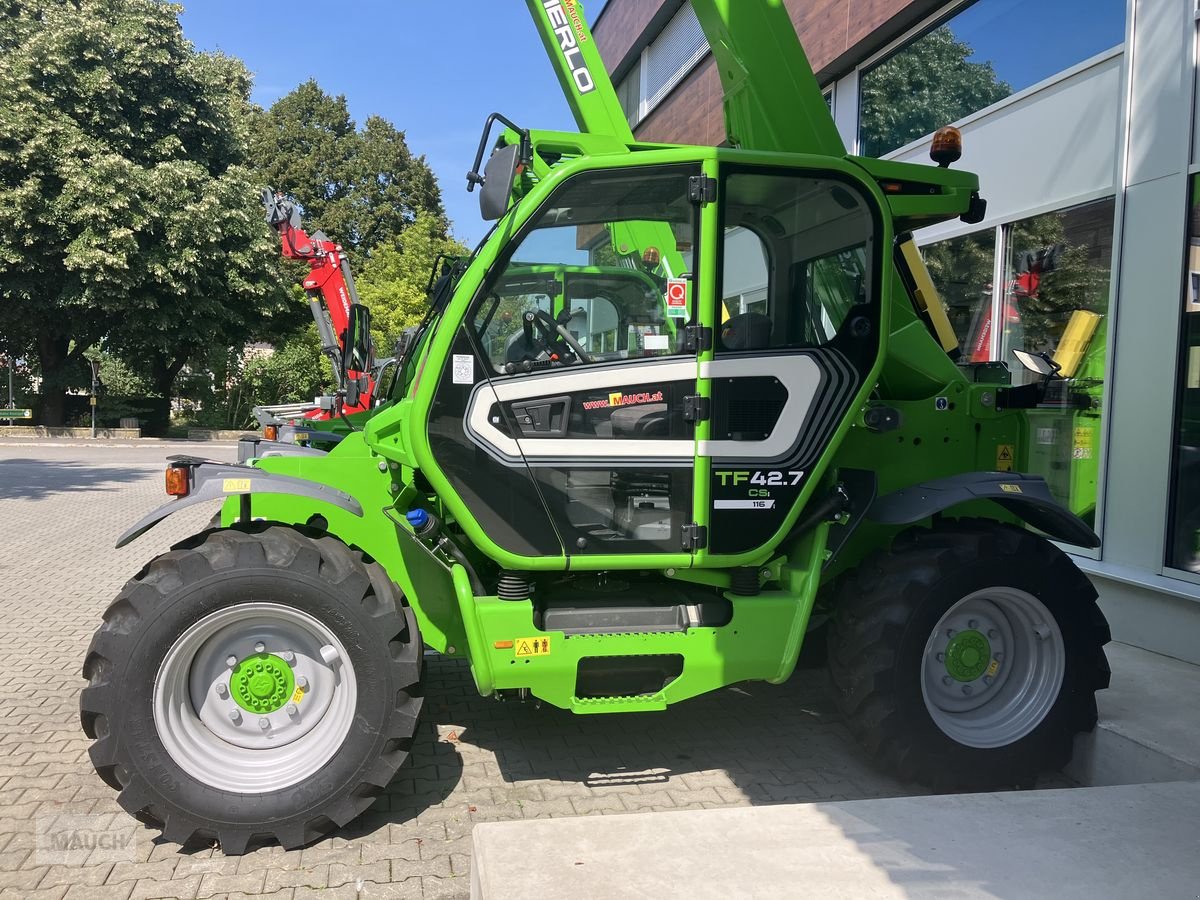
(362, 188)
(393, 281)
(928, 84)
(126, 209)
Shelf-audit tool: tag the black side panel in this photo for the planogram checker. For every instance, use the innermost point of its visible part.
(502, 497)
(1026, 496)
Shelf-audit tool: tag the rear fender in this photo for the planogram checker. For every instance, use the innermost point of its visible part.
(1025, 496)
(219, 481)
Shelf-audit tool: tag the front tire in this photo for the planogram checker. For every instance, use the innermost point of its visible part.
(968, 655)
(253, 685)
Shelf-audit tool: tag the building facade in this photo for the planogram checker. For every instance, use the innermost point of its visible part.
(1081, 119)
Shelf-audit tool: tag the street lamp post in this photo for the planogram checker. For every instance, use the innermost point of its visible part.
(95, 375)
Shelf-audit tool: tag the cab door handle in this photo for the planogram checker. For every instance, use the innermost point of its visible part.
(544, 417)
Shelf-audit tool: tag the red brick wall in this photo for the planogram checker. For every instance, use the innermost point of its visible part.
(836, 35)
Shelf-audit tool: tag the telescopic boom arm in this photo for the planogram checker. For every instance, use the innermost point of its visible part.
(329, 286)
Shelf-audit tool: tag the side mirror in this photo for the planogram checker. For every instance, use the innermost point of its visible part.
(358, 352)
(498, 180)
(1040, 363)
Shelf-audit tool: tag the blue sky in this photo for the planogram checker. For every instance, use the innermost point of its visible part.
(1029, 40)
(434, 69)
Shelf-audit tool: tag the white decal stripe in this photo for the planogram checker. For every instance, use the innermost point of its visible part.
(600, 378)
(800, 376)
(743, 504)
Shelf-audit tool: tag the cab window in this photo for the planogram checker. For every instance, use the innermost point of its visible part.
(602, 274)
(794, 260)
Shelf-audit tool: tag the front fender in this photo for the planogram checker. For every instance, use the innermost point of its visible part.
(217, 481)
(1025, 496)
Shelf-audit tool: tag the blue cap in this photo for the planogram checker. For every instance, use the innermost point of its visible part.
(417, 518)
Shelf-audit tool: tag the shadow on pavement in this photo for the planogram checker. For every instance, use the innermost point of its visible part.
(34, 479)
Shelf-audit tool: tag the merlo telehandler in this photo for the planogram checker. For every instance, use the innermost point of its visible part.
(750, 426)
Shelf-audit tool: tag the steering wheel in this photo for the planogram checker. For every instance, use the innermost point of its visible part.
(548, 328)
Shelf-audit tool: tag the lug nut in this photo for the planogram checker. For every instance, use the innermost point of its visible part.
(329, 654)
(972, 623)
(235, 717)
(231, 661)
(947, 680)
(941, 657)
(987, 679)
(967, 689)
(222, 690)
(950, 632)
(289, 657)
(997, 656)
(259, 647)
(993, 633)
(264, 723)
(302, 683)
(292, 710)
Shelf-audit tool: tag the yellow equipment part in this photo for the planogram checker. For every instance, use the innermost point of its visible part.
(1080, 330)
(926, 297)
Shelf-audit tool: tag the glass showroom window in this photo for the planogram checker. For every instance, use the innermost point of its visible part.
(1183, 547)
(962, 269)
(1054, 300)
(982, 54)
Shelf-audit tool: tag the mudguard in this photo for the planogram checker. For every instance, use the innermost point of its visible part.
(216, 480)
(1026, 496)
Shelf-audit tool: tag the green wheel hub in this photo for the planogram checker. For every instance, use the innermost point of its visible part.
(261, 683)
(967, 656)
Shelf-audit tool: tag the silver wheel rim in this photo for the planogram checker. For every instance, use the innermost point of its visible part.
(992, 692)
(223, 744)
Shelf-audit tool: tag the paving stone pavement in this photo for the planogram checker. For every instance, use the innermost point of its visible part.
(62, 833)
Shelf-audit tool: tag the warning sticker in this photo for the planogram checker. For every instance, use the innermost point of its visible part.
(235, 485)
(532, 646)
(298, 695)
(993, 668)
(1011, 488)
(464, 368)
(1004, 457)
(677, 298)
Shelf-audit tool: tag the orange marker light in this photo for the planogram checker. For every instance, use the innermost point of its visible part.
(178, 483)
(503, 645)
(946, 147)
(651, 256)
(270, 432)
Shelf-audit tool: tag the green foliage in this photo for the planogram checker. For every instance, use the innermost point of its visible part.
(928, 84)
(393, 281)
(127, 210)
(961, 269)
(1076, 281)
(361, 187)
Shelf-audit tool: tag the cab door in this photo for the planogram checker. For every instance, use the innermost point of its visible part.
(796, 334)
(580, 333)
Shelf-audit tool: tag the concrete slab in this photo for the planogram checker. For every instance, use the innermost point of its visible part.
(1149, 726)
(1123, 841)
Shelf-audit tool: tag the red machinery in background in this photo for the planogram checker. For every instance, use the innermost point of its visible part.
(330, 290)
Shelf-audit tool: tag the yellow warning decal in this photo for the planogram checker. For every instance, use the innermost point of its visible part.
(1004, 458)
(235, 485)
(298, 695)
(532, 646)
(1011, 488)
(993, 668)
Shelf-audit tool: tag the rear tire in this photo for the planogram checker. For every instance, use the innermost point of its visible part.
(968, 655)
(286, 751)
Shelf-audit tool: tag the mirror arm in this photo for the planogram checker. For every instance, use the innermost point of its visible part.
(473, 177)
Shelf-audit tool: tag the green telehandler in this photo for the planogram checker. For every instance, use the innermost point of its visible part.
(683, 406)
